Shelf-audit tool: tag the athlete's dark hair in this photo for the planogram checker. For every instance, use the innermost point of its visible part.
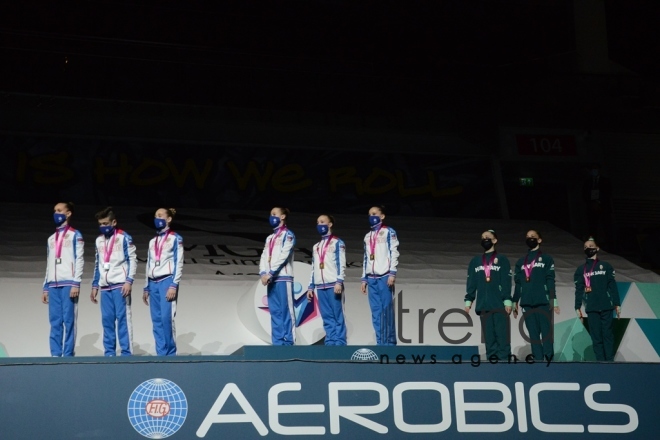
(284, 211)
(331, 219)
(106, 213)
(537, 233)
(381, 208)
(171, 212)
(69, 206)
(492, 231)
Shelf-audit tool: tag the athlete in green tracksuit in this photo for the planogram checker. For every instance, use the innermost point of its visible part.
(596, 287)
(489, 280)
(534, 291)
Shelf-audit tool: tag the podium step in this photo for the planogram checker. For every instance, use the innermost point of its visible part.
(368, 353)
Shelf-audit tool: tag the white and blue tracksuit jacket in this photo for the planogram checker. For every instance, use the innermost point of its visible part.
(386, 253)
(334, 263)
(69, 271)
(171, 258)
(280, 266)
(123, 261)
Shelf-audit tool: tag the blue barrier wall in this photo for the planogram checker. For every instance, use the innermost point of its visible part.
(229, 397)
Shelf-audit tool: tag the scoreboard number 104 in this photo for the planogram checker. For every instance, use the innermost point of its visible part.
(546, 145)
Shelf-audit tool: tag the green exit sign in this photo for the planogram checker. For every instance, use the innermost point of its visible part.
(526, 181)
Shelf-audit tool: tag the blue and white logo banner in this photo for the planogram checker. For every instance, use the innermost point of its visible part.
(201, 398)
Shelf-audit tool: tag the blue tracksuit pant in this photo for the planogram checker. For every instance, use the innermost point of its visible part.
(332, 312)
(116, 319)
(381, 301)
(162, 316)
(62, 313)
(280, 306)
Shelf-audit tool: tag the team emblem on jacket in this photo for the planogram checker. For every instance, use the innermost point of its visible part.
(495, 260)
(601, 267)
(540, 259)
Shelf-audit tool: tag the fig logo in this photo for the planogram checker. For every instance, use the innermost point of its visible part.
(254, 314)
(364, 354)
(157, 408)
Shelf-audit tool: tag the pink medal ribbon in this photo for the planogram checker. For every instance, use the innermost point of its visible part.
(373, 240)
(271, 244)
(158, 250)
(325, 249)
(487, 267)
(587, 279)
(59, 241)
(108, 251)
(528, 270)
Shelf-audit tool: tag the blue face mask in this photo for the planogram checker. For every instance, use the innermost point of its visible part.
(106, 230)
(274, 221)
(160, 223)
(323, 229)
(59, 218)
(374, 220)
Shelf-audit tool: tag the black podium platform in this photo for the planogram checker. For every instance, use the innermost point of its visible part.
(369, 353)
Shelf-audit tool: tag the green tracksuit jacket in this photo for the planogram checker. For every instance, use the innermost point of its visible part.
(540, 290)
(492, 295)
(604, 293)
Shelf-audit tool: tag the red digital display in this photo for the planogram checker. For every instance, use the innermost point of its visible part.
(546, 145)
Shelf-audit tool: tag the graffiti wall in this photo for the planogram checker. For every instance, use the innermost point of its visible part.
(42, 169)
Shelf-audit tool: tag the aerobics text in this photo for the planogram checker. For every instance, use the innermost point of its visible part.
(341, 408)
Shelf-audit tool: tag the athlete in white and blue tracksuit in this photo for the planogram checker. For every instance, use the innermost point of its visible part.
(164, 267)
(381, 257)
(114, 271)
(327, 277)
(64, 269)
(276, 271)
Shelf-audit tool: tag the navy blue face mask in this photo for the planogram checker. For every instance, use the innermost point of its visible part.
(322, 229)
(160, 223)
(106, 230)
(374, 220)
(59, 218)
(274, 221)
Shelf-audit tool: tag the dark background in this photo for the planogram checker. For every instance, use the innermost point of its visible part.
(373, 77)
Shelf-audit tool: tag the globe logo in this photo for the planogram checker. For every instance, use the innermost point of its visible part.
(157, 408)
(364, 354)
